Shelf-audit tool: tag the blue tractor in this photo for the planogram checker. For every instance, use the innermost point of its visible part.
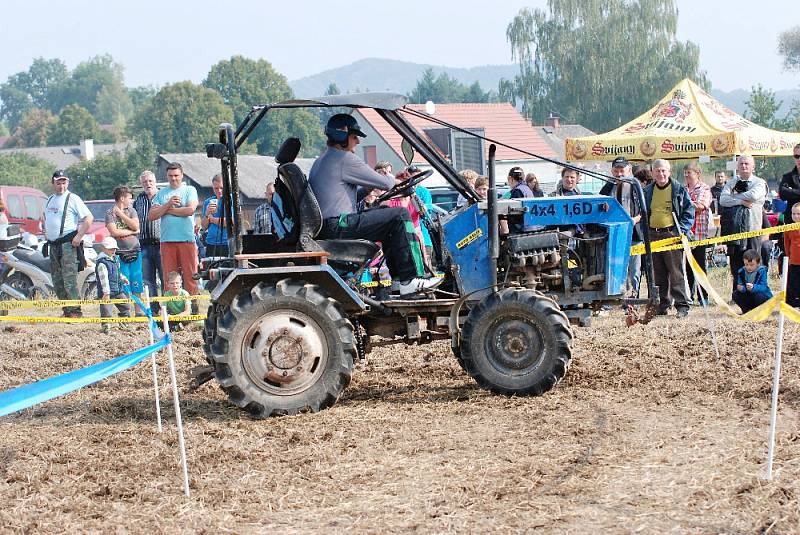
(290, 314)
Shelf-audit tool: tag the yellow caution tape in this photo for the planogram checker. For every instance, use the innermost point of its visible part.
(673, 244)
(137, 319)
(790, 312)
(760, 313)
(55, 303)
(374, 284)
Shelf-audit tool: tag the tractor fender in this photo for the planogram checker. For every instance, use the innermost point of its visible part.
(243, 279)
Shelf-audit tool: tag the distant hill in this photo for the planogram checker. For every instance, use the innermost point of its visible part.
(374, 74)
(736, 99)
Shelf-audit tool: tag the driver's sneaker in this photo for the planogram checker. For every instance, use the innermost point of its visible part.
(418, 285)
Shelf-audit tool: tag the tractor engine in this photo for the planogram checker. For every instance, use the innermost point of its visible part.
(555, 260)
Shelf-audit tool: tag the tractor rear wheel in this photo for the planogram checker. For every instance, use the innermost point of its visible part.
(516, 342)
(282, 349)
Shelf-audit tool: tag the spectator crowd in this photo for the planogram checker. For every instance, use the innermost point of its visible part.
(152, 237)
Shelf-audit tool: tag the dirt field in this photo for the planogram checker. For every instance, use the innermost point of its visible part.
(648, 433)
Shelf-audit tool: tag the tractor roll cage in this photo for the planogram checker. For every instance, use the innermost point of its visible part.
(390, 106)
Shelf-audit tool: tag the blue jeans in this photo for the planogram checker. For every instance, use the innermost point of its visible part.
(634, 273)
(151, 264)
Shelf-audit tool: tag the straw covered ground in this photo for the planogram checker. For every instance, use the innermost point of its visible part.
(648, 433)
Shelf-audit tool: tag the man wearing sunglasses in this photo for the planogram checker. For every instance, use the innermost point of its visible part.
(789, 189)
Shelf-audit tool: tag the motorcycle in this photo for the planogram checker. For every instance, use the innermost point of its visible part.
(25, 271)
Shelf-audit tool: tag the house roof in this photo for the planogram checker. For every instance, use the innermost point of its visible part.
(554, 136)
(500, 121)
(63, 156)
(254, 171)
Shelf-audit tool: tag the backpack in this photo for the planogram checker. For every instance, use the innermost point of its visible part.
(284, 214)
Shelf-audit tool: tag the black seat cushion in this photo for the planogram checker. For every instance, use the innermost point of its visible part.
(288, 151)
(349, 251)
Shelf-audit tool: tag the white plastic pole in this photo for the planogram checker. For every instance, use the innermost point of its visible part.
(176, 401)
(710, 322)
(776, 376)
(155, 364)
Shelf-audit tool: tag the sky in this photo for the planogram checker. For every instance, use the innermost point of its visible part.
(170, 41)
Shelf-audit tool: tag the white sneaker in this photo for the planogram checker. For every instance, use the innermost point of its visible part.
(419, 285)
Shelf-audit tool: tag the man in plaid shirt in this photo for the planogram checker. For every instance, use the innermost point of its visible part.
(262, 219)
(701, 197)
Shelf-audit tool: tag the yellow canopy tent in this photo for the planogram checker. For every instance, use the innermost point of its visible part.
(686, 123)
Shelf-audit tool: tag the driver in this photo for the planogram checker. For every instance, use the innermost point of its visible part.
(334, 179)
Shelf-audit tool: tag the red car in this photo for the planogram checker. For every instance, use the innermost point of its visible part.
(24, 207)
(98, 230)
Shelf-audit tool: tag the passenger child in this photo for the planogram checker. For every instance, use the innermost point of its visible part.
(791, 242)
(181, 306)
(109, 281)
(751, 282)
(412, 207)
(482, 186)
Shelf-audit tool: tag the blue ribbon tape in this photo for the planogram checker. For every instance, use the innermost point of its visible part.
(32, 394)
(147, 310)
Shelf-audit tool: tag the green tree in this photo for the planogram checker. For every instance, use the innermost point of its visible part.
(33, 130)
(762, 108)
(97, 178)
(597, 62)
(245, 82)
(141, 95)
(87, 81)
(182, 117)
(22, 169)
(113, 105)
(74, 124)
(789, 48)
(475, 93)
(444, 89)
(4, 131)
(33, 88)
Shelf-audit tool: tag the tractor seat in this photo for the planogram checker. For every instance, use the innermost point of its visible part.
(349, 251)
(346, 256)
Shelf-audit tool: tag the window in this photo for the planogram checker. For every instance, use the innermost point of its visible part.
(468, 151)
(441, 138)
(31, 207)
(14, 206)
(99, 209)
(463, 150)
(371, 155)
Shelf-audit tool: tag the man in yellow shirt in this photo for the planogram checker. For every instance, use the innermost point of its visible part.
(663, 198)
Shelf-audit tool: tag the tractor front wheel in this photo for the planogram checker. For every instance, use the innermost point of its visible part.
(516, 342)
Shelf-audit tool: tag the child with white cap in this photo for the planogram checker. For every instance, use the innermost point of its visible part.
(110, 281)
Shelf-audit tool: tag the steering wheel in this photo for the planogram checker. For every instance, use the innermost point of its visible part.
(406, 187)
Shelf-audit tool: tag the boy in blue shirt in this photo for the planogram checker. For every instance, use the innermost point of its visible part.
(752, 289)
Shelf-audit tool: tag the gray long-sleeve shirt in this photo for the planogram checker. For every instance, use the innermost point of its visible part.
(334, 178)
(756, 193)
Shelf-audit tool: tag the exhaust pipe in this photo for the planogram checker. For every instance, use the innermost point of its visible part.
(16, 294)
